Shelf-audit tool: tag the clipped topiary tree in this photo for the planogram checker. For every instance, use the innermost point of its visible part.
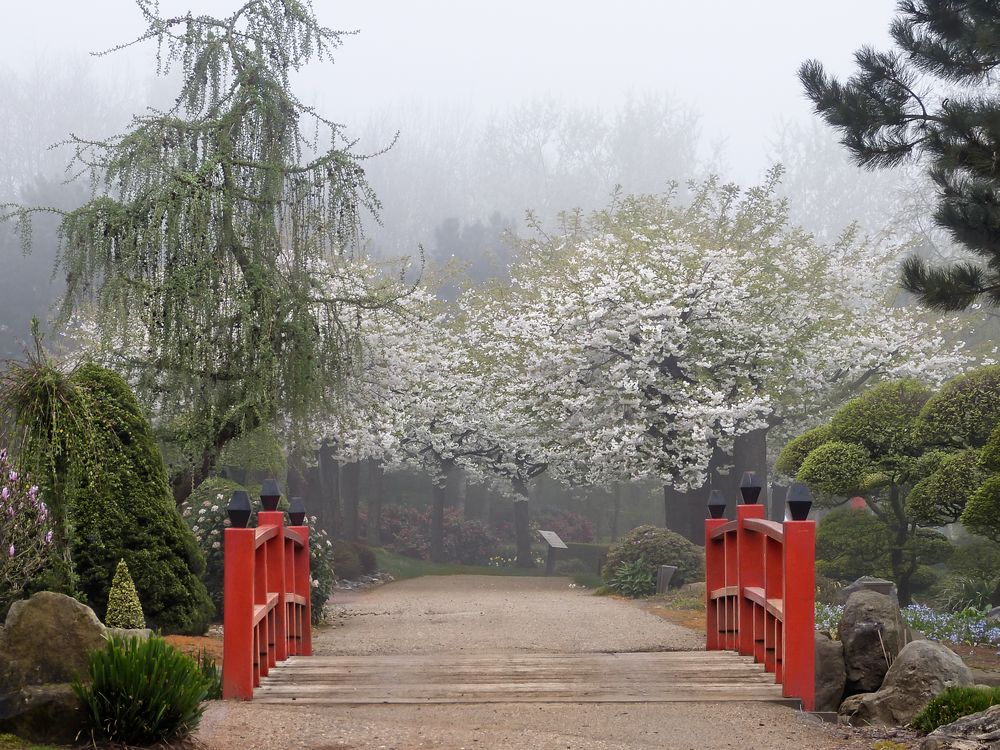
(874, 446)
(124, 608)
(656, 547)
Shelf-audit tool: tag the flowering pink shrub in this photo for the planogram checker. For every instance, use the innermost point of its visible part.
(570, 526)
(25, 531)
(407, 530)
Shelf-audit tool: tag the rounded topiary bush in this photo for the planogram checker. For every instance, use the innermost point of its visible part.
(656, 547)
(124, 608)
(120, 507)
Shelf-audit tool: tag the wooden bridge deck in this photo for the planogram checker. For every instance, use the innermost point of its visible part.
(657, 677)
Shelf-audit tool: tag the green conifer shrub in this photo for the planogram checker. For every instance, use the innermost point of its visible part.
(124, 608)
(120, 507)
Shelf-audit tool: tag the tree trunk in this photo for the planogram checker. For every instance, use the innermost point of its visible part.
(457, 490)
(375, 488)
(351, 488)
(184, 482)
(522, 525)
(437, 522)
(779, 495)
(616, 511)
(685, 512)
(522, 534)
(900, 573)
(329, 470)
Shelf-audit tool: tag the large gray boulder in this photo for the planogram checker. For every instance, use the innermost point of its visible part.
(868, 583)
(974, 732)
(873, 633)
(922, 671)
(43, 648)
(831, 675)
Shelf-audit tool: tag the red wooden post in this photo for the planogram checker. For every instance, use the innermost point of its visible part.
(799, 660)
(303, 587)
(715, 578)
(276, 583)
(238, 606)
(750, 552)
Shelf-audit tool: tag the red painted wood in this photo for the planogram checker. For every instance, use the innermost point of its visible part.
(266, 607)
(760, 595)
(799, 626)
(238, 641)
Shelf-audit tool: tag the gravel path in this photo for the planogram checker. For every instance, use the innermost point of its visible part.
(451, 614)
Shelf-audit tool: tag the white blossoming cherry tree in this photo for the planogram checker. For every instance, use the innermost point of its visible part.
(649, 339)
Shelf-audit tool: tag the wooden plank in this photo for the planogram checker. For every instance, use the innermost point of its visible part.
(656, 677)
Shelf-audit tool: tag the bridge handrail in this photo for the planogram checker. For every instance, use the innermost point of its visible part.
(760, 595)
(266, 607)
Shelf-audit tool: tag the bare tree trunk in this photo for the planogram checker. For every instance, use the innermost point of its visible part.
(437, 523)
(522, 525)
(329, 471)
(351, 488)
(456, 489)
(375, 488)
(616, 511)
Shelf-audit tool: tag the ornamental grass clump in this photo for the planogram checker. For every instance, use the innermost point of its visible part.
(124, 609)
(953, 704)
(633, 579)
(142, 692)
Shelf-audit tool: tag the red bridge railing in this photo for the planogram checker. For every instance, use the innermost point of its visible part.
(761, 590)
(266, 606)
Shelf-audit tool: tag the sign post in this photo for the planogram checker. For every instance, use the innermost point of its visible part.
(554, 542)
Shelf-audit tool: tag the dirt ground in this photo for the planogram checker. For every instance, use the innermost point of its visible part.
(454, 614)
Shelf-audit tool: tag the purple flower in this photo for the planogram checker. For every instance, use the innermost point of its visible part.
(10, 552)
(13, 476)
(48, 537)
(5, 493)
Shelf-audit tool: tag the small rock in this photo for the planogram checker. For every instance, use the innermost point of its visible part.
(975, 732)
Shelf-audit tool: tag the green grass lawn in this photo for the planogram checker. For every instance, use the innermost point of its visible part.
(401, 567)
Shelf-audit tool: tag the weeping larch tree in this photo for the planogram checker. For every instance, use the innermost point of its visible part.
(207, 257)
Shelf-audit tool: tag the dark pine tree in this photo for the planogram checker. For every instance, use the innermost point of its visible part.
(932, 98)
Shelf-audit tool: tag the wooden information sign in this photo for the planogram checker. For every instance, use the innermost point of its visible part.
(552, 539)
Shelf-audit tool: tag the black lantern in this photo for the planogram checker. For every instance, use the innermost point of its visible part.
(270, 494)
(239, 509)
(296, 511)
(716, 504)
(799, 501)
(750, 487)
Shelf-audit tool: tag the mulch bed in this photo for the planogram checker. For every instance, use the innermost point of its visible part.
(194, 645)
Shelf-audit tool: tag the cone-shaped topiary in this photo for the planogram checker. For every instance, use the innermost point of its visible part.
(124, 609)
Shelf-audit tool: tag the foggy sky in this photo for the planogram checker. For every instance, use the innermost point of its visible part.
(731, 61)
